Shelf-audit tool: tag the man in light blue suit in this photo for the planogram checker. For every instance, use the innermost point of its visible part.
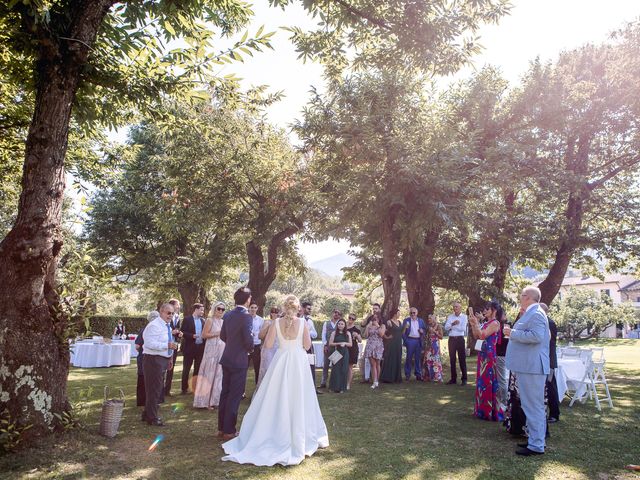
(528, 358)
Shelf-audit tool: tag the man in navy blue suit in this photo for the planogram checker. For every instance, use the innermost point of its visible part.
(413, 329)
(238, 339)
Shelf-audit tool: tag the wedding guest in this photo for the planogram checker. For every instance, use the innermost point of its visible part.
(209, 386)
(177, 335)
(255, 356)
(306, 313)
(236, 333)
(432, 363)
(376, 312)
(193, 346)
(413, 329)
(374, 350)
(392, 364)
(456, 326)
(327, 329)
(486, 405)
(158, 354)
(552, 385)
(139, 343)
(340, 341)
(119, 331)
(528, 358)
(354, 351)
(501, 367)
(267, 353)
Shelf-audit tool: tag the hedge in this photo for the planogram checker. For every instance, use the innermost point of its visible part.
(105, 324)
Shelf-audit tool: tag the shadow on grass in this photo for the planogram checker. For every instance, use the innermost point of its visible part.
(410, 430)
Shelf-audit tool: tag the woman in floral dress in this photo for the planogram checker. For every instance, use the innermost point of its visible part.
(374, 349)
(432, 364)
(209, 385)
(487, 405)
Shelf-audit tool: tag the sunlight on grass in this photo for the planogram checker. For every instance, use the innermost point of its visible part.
(407, 431)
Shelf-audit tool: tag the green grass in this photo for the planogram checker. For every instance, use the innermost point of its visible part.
(409, 431)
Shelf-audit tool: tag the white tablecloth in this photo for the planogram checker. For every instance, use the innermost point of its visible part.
(572, 372)
(319, 351)
(90, 355)
(131, 343)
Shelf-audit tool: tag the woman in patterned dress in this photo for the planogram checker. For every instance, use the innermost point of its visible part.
(209, 385)
(432, 364)
(487, 405)
(375, 348)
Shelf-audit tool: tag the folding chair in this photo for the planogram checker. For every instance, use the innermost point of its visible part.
(597, 376)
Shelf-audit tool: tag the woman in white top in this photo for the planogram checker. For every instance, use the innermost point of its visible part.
(284, 423)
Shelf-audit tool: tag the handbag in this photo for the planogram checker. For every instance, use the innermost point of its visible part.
(335, 357)
(312, 358)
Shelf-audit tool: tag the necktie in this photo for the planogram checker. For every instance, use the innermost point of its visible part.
(169, 335)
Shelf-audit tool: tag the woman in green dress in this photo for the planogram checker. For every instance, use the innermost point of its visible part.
(392, 365)
(340, 341)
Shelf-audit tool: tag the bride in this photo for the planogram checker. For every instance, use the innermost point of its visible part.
(284, 422)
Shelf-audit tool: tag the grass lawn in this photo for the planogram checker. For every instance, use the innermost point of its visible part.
(412, 430)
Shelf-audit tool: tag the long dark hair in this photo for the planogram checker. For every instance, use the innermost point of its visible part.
(344, 330)
(493, 305)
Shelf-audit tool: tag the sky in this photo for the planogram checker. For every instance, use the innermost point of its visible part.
(535, 28)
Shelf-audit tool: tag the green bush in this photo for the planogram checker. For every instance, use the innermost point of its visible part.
(105, 324)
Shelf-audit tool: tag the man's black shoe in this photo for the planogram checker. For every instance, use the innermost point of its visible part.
(156, 423)
(451, 382)
(464, 382)
(322, 385)
(525, 452)
(553, 420)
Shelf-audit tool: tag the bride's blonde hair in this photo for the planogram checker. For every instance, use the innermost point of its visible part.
(291, 306)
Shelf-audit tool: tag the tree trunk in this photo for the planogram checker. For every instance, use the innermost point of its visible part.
(550, 286)
(504, 257)
(419, 275)
(391, 282)
(260, 276)
(34, 354)
(190, 294)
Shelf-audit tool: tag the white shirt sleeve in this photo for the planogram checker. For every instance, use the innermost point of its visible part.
(312, 329)
(447, 324)
(155, 336)
(324, 333)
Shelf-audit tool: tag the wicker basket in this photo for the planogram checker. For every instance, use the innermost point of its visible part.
(111, 414)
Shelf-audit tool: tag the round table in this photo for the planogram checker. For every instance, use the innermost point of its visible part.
(91, 355)
(131, 343)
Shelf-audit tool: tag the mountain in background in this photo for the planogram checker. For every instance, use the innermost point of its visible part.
(332, 265)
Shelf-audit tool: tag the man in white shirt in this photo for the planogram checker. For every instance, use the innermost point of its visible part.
(327, 329)
(159, 346)
(306, 314)
(456, 326)
(258, 321)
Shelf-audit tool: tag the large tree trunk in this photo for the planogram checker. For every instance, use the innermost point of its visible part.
(419, 274)
(390, 274)
(190, 294)
(34, 355)
(503, 262)
(261, 276)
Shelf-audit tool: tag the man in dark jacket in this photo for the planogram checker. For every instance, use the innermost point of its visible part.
(238, 339)
(193, 346)
(552, 386)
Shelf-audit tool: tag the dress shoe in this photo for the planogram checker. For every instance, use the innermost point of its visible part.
(220, 434)
(526, 452)
(553, 420)
(463, 383)
(451, 382)
(156, 423)
(323, 385)
(229, 436)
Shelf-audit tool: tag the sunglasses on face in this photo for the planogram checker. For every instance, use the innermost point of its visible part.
(220, 309)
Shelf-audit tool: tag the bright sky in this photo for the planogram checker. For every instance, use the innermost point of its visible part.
(534, 28)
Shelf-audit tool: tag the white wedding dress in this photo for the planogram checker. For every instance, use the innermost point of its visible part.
(284, 423)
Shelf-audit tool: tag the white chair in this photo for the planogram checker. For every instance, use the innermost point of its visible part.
(594, 375)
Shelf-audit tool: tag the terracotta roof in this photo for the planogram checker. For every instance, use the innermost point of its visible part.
(619, 278)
